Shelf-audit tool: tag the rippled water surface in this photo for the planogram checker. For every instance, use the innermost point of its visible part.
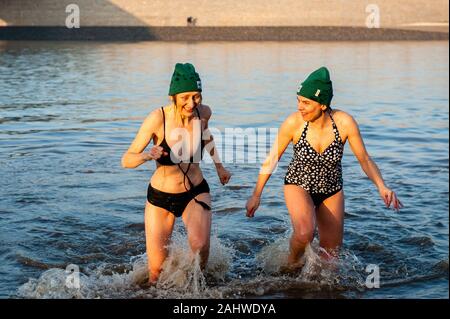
(69, 110)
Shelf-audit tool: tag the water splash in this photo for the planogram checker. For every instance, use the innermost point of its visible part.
(181, 277)
(182, 272)
(315, 273)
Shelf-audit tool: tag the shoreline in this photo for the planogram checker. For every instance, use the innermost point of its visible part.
(196, 33)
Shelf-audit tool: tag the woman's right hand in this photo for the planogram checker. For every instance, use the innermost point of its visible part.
(155, 153)
(252, 205)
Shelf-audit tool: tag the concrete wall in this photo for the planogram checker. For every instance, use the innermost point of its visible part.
(414, 14)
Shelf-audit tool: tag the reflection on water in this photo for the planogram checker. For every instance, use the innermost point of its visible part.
(70, 110)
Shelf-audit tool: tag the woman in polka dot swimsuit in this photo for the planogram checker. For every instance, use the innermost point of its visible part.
(313, 188)
(320, 174)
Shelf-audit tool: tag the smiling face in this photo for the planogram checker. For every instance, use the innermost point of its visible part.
(309, 109)
(186, 102)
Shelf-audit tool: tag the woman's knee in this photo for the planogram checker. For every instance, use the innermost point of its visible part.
(303, 237)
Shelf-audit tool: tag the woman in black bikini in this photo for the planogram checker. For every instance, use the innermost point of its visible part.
(313, 182)
(177, 187)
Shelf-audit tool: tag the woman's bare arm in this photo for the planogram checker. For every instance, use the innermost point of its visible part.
(284, 137)
(134, 156)
(367, 164)
(222, 172)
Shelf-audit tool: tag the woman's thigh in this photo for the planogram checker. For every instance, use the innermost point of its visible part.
(197, 219)
(301, 209)
(159, 224)
(330, 221)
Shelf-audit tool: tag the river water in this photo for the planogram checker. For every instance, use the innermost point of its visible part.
(69, 110)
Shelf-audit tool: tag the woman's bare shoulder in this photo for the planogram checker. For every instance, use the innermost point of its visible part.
(343, 117)
(345, 123)
(154, 119)
(294, 119)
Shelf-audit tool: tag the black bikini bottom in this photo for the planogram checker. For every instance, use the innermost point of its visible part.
(318, 198)
(177, 202)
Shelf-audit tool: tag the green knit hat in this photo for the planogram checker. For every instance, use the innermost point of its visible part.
(184, 79)
(318, 87)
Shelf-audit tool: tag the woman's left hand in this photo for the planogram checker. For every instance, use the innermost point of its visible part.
(390, 198)
(224, 175)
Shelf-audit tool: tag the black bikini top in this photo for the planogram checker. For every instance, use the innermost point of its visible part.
(166, 159)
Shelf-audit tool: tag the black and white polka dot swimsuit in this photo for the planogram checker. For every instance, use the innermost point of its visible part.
(319, 174)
